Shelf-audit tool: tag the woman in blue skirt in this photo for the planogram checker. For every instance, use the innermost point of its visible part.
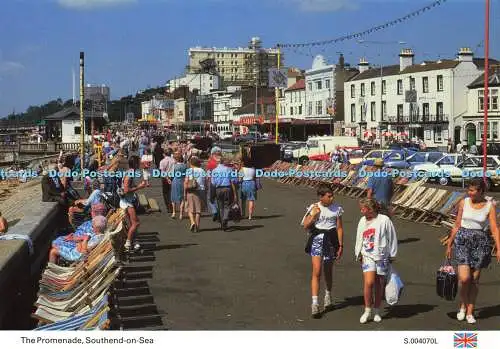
(177, 192)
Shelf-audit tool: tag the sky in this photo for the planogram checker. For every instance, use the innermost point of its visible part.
(130, 45)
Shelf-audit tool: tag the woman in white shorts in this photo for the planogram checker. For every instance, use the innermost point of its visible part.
(376, 247)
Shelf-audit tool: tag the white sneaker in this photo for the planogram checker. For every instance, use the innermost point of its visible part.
(327, 303)
(137, 247)
(315, 313)
(470, 319)
(461, 314)
(366, 315)
(127, 245)
(377, 317)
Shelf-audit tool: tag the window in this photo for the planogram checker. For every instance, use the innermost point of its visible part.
(318, 85)
(353, 112)
(327, 83)
(433, 157)
(494, 99)
(412, 84)
(300, 109)
(363, 113)
(372, 88)
(400, 87)
(384, 89)
(310, 108)
(439, 109)
(353, 94)
(440, 83)
(438, 134)
(362, 90)
(77, 130)
(372, 111)
(400, 111)
(425, 84)
(425, 110)
(480, 126)
(291, 111)
(319, 108)
(480, 99)
(310, 86)
(384, 110)
(494, 130)
(447, 160)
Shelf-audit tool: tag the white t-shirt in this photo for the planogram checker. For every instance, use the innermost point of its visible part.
(328, 216)
(248, 173)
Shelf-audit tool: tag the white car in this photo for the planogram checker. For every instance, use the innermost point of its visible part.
(226, 135)
(472, 167)
(435, 171)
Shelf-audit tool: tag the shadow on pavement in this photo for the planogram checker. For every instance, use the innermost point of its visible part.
(268, 217)
(244, 228)
(347, 302)
(173, 247)
(408, 241)
(407, 310)
(487, 312)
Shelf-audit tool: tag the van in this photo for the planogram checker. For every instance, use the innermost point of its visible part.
(323, 145)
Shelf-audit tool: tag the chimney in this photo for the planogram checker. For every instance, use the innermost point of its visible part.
(363, 65)
(341, 62)
(465, 54)
(405, 58)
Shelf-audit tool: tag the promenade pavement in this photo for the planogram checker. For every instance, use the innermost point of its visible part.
(256, 276)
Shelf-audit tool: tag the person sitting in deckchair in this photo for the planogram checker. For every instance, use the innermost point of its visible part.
(81, 206)
(74, 246)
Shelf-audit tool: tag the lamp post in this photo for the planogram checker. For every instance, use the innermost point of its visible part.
(486, 78)
(381, 76)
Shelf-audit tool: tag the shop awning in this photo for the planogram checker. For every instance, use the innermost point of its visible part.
(249, 120)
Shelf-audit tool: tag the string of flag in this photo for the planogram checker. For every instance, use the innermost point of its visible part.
(367, 31)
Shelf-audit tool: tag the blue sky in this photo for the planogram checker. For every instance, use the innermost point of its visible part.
(133, 44)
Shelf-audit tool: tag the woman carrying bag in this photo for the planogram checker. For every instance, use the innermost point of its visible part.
(472, 244)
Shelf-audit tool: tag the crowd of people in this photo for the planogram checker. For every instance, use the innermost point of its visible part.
(224, 185)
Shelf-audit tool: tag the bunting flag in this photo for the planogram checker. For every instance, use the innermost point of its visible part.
(368, 31)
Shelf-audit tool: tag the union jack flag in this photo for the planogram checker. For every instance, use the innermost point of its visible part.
(465, 340)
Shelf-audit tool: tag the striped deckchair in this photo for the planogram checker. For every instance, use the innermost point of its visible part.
(410, 199)
(428, 212)
(419, 202)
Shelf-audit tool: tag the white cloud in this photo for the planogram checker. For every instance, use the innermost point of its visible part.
(91, 4)
(8, 67)
(325, 5)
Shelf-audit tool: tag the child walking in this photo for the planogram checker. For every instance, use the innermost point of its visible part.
(325, 244)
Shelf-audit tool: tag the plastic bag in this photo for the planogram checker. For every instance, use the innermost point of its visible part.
(393, 288)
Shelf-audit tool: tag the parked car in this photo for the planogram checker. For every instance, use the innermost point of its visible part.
(473, 167)
(248, 138)
(225, 135)
(447, 162)
(371, 156)
(412, 160)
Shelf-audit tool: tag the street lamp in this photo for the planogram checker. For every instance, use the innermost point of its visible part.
(381, 75)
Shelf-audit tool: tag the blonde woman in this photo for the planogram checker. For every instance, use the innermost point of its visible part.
(376, 247)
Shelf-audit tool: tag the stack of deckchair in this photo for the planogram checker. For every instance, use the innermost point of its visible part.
(75, 297)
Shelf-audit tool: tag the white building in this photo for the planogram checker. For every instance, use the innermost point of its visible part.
(225, 103)
(471, 130)
(294, 101)
(205, 82)
(423, 99)
(320, 88)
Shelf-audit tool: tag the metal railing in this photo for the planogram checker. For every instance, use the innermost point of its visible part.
(417, 119)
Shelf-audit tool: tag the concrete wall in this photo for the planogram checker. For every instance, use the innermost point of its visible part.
(20, 271)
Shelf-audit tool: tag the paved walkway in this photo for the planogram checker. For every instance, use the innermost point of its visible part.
(256, 277)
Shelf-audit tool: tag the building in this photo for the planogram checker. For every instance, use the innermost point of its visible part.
(64, 126)
(469, 129)
(194, 81)
(294, 101)
(237, 66)
(421, 100)
(159, 108)
(225, 104)
(96, 93)
(181, 112)
(200, 112)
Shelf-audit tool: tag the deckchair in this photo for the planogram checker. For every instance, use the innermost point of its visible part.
(419, 201)
(408, 200)
(428, 211)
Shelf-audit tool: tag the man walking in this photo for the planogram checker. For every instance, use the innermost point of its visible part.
(380, 188)
(224, 179)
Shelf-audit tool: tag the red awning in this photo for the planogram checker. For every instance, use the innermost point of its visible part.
(250, 120)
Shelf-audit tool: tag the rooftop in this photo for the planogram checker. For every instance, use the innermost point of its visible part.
(299, 85)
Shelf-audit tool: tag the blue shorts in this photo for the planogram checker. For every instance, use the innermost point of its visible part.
(318, 251)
